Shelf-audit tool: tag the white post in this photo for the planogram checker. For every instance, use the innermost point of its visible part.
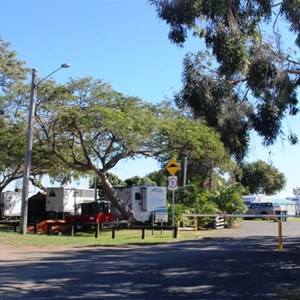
(173, 209)
(184, 171)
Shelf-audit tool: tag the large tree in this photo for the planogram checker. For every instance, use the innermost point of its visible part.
(261, 178)
(12, 133)
(246, 79)
(14, 102)
(12, 69)
(91, 127)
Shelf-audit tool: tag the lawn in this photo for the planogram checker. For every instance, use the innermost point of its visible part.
(8, 237)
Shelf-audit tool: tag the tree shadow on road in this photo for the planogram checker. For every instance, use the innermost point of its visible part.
(208, 268)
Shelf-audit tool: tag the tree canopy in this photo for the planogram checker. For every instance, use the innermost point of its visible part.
(85, 127)
(12, 133)
(245, 79)
(261, 178)
(91, 127)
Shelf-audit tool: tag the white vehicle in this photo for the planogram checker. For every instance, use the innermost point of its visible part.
(148, 203)
(11, 203)
(66, 200)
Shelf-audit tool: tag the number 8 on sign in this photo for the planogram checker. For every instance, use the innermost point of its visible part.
(172, 183)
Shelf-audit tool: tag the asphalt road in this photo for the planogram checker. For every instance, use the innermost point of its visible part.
(241, 263)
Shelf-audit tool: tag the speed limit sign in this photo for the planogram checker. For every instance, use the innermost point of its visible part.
(172, 183)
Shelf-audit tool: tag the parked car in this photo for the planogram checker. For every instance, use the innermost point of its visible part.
(263, 208)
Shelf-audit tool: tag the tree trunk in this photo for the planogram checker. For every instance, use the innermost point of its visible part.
(113, 198)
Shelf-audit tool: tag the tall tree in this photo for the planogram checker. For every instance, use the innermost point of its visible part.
(245, 80)
(12, 142)
(201, 144)
(91, 127)
(260, 177)
(12, 134)
(12, 69)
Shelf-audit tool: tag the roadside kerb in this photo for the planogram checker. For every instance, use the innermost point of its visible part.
(276, 218)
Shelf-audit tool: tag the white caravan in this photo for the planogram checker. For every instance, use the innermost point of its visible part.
(66, 200)
(148, 203)
(11, 203)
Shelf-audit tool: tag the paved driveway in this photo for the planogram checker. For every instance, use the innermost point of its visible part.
(238, 263)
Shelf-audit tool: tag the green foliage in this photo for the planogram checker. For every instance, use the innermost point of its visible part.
(260, 177)
(12, 145)
(139, 181)
(159, 177)
(91, 127)
(12, 69)
(200, 144)
(192, 200)
(290, 9)
(12, 126)
(229, 201)
(212, 99)
(96, 124)
(114, 180)
(244, 81)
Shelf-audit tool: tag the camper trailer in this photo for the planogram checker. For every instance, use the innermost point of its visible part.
(148, 203)
(64, 201)
(11, 203)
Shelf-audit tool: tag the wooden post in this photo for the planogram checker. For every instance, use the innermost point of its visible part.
(97, 230)
(72, 229)
(49, 227)
(175, 231)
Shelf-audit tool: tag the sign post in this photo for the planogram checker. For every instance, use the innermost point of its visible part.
(172, 167)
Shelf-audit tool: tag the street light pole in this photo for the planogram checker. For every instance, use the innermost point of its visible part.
(29, 142)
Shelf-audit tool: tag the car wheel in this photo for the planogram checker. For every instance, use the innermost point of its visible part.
(264, 213)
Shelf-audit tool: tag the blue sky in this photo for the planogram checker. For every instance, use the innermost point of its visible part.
(123, 43)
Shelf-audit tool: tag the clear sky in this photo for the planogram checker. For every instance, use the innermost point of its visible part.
(123, 43)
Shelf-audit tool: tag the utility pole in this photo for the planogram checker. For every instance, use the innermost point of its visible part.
(29, 142)
(27, 160)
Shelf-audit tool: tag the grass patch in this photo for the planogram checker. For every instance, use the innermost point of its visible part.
(88, 239)
(129, 237)
(291, 219)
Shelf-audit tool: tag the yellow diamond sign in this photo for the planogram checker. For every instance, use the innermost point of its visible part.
(172, 166)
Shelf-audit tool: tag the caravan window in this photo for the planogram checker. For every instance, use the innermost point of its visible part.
(52, 194)
(137, 196)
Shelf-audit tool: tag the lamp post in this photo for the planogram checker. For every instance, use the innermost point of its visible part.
(29, 140)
